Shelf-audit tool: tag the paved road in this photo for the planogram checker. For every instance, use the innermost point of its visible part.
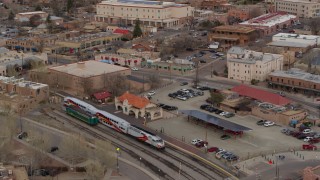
(290, 170)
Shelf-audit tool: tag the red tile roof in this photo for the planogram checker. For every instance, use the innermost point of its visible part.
(135, 101)
(260, 95)
(102, 95)
(121, 31)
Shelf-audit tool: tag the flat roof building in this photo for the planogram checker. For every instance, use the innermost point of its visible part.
(228, 35)
(300, 8)
(82, 78)
(149, 13)
(295, 80)
(246, 65)
(271, 22)
(309, 40)
(27, 15)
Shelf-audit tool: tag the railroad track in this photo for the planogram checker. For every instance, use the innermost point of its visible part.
(154, 168)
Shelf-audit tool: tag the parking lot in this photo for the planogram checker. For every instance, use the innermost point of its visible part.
(261, 140)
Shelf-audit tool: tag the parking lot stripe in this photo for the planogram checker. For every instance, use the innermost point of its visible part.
(204, 160)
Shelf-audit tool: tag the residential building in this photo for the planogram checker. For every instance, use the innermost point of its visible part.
(247, 65)
(139, 106)
(311, 173)
(229, 36)
(13, 61)
(241, 14)
(82, 78)
(295, 80)
(300, 8)
(147, 55)
(84, 42)
(271, 22)
(22, 96)
(221, 17)
(203, 14)
(23, 17)
(150, 13)
(8, 172)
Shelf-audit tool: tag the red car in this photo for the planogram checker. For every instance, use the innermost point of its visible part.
(213, 149)
(201, 144)
(309, 147)
(313, 141)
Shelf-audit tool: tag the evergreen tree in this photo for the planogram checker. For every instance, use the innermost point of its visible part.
(69, 5)
(38, 8)
(11, 16)
(137, 32)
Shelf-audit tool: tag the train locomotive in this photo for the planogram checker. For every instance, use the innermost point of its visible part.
(113, 122)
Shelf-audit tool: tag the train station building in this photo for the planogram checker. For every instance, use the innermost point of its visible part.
(131, 104)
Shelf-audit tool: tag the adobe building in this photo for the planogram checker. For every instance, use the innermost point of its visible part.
(229, 36)
(21, 95)
(295, 80)
(311, 173)
(27, 15)
(138, 106)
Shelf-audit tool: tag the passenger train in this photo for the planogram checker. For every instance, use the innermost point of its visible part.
(117, 123)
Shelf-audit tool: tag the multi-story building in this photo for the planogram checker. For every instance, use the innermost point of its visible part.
(241, 14)
(300, 8)
(295, 80)
(246, 65)
(27, 15)
(150, 13)
(212, 4)
(229, 36)
(84, 42)
(31, 44)
(271, 22)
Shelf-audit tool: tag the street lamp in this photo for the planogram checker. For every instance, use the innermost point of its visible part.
(118, 151)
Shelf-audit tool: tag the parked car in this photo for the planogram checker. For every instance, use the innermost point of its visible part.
(301, 136)
(200, 93)
(202, 61)
(214, 57)
(220, 154)
(232, 158)
(307, 131)
(213, 149)
(295, 134)
(211, 109)
(22, 135)
(313, 141)
(201, 144)
(183, 98)
(169, 108)
(195, 141)
(184, 83)
(268, 123)
(151, 93)
(261, 122)
(54, 148)
(225, 137)
(226, 155)
(204, 106)
(218, 111)
(202, 52)
(307, 139)
(134, 69)
(223, 113)
(219, 54)
(309, 147)
(229, 115)
(205, 88)
(189, 49)
(172, 95)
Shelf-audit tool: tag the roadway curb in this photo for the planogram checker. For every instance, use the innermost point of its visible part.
(204, 160)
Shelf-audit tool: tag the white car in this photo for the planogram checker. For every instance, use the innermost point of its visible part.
(182, 98)
(307, 139)
(223, 113)
(185, 90)
(195, 141)
(134, 69)
(307, 131)
(151, 93)
(268, 123)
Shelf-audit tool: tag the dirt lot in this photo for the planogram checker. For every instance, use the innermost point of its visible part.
(261, 140)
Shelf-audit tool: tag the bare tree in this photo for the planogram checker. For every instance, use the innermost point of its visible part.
(310, 57)
(313, 23)
(116, 84)
(95, 170)
(255, 12)
(154, 81)
(191, 22)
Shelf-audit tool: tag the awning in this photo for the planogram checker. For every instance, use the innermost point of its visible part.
(227, 125)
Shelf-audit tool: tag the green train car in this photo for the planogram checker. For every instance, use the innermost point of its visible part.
(82, 115)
